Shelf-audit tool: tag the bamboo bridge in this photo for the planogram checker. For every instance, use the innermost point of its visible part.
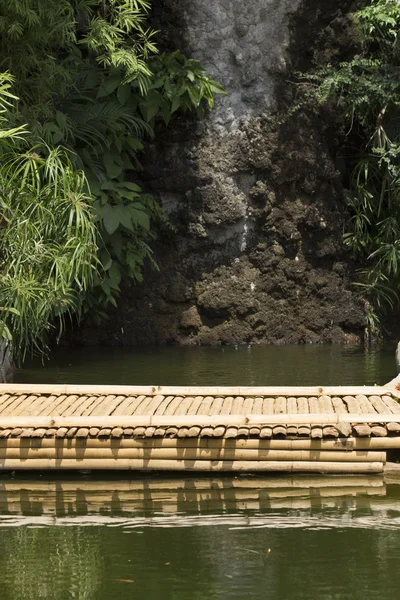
(202, 429)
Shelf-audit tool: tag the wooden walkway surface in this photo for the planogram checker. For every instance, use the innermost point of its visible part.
(193, 428)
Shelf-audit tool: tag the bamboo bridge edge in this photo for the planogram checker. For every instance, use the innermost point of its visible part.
(317, 429)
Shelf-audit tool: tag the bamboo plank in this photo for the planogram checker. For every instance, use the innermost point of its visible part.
(280, 405)
(366, 405)
(243, 431)
(89, 405)
(77, 409)
(218, 431)
(154, 405)
(196, 405)
(338, 405)
(228, 454)
(255, 431)
(227, 406)
(292, 409)
(392, 404)
(257, 405)
(378, 431)
(205, 406)
(10, 404)
(113, 405)
(62, 403)
(40, 405)
(184, 406)
(266, 432)
(206, 420)
(279, 430)
(140, 431)
(247, 406)
(314, 406)
(48, 406)
(362, 430)
(273, 391)
(160, 431)
(194, 432)
(27, 407)
(393, 427)
(353, 406)
(216, 406)
(268, 406)
(344, 444)
(73, 405)
(3, 400)
(303, 407)
(101, 407)
(123, 407)
(142, 405)
(183, 432)
(231, 432)
(377, 403)
(200, 465)
(237, 405)
(206, 432)
(316, 432)
(329, 431)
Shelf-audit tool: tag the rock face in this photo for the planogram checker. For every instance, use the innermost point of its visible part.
(7, 367)
(257, 207)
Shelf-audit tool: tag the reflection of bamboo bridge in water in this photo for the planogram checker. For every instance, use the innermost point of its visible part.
(310, 429)
(157, 500)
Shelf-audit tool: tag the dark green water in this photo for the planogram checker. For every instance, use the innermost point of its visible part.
(239, 538)
(316, 540)
(256, 365)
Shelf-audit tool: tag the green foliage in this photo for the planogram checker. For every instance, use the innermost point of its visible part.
(90, 79)
(48, 237)
(366, 89)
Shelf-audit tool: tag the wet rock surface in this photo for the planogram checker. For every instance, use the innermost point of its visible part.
(257, 207)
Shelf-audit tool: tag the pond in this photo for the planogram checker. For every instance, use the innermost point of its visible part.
(254, 365)
(100, 537)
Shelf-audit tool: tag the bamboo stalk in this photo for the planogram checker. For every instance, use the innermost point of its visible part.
(194, 465)
(341, 444)
(190, 454)
(151, 390)
(10, 422)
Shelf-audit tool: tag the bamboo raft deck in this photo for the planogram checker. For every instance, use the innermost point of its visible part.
(261, 429)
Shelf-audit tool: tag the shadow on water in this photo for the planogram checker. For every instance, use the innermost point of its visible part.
(256, 365)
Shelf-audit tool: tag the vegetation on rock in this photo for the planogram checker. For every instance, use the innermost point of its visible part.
(366, 90)
(90, 88)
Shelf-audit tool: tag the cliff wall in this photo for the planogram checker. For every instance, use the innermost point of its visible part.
(257, 206)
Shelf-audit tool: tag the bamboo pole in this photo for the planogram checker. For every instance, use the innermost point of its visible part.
(194, 465)
(9, 422)
(23, 388)
(340, 444)
(190, 454)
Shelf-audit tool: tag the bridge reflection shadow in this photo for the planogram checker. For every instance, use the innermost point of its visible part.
(106, 499)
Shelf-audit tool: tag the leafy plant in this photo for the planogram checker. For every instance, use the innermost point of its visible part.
(48, 237)
(366, 90)
(91, 80)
